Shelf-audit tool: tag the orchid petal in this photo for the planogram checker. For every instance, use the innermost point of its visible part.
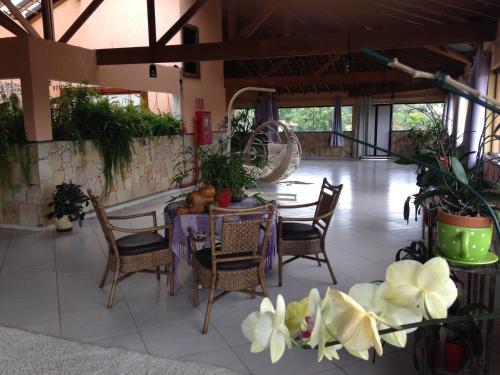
(314, 301)
(397, 338)
(295, 315)
(263, 330)
(266, 306)
(256, 348)
(402, 273)
(363, 294)
(249, 324)
(362, 354)
(434, 272)
(277, 346)
(432, 307)
(404, 295)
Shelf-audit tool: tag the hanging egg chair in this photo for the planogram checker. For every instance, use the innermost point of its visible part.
(272, 152)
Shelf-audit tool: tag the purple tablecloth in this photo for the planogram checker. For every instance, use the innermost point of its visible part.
(200, 224)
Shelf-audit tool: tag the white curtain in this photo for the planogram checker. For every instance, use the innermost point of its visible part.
(363, 105)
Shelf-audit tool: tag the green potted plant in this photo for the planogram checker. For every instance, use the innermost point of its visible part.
(224, 169)
(68, 203)
(464, 228)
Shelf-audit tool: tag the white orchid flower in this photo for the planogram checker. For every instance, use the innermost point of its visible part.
(427, 286)
(266, 328)
(372, 298)
(323, 319)
(354, 327)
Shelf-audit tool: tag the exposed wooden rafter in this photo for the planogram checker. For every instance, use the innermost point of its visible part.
(391, 89)
(11, 25)
(276, 67)
(465, 6)
(259, 19)
(332, 60)
(232, 17)
(324, 79)
(48, 19)
(151, 22)
(305, 45)
(444, 51)
(82, 18)
(181, 22)
(13, 9)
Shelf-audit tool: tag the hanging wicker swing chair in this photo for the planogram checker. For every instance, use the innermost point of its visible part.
(272, 152)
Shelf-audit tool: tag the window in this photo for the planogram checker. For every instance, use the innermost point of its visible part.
(190, 35)
(415, 116)
(314, 119)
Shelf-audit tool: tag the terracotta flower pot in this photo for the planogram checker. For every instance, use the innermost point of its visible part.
(464, 238)
(455, 355)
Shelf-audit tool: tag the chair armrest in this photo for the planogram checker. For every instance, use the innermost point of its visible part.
(139, 230)
(133, 216)
(298, 205)
(284, 218)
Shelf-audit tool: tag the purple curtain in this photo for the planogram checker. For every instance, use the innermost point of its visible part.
(476, 114)
(337, 140)
(266, 110)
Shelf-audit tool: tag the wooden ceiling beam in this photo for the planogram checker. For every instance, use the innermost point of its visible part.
(177, 26)
(444, 51)
(151, 22)
(11, 25)
(232, 19)
(332, 60)
(276, 67)
(14, 10)
(391, 89)
(259, 19)
(407, 13)
(82, 18)
(324, 79)
(48, 19)
(306, 45)
(464, 6)
(428, 10)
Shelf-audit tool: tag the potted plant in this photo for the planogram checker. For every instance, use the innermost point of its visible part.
(464, 228)
(68, 203)
(225, 170)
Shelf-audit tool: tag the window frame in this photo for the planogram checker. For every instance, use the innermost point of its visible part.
(319, 106)
(197, 74)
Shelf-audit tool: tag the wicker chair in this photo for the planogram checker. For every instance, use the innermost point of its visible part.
(301, 240)
(145, 250)
(235, 261)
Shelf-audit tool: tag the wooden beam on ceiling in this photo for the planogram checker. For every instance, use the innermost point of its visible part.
(82, 18)
(465, 6)
(11, 25)
(151, 22)
(48, 19)
(373, 76)
(332, 60)
(276, 67)
(232, 18)
(406, 13)
(444, 51)
(259, 19)
(305, 45)
(427, 10)
(391, 89)
(177, 26)
(14, 10)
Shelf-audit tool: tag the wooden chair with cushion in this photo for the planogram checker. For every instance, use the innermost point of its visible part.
(236, 256)
(145, 250)
(304, 237)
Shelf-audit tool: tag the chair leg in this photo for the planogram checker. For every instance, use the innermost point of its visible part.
(104, 276)
(113, 290)
(196, 292)
(252, 295)
(157, 273)
(209, 307)
(329, 267)
(260, 276)
(317, 257)
(171, 276)
(280, 270)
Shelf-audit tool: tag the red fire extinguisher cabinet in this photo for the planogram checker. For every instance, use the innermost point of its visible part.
(203, 129)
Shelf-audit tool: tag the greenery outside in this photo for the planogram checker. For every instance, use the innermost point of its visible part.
(311, 119)
(415, 116)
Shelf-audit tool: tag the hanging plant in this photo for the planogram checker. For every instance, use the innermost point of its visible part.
(11, 136)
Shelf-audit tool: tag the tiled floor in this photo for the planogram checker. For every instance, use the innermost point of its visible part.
(48, 281)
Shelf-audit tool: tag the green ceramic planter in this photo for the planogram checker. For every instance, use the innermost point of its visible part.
(464, 238)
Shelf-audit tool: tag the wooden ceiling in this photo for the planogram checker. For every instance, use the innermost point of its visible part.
(417, 32)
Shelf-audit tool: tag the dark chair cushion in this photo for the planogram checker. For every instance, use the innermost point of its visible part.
(204, 257)
(139, 243)
(300, 231)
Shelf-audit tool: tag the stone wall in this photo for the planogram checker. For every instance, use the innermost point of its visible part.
(317, 145)
(52, 163)
(401, 143)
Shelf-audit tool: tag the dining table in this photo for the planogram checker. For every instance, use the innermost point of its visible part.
(199, 225)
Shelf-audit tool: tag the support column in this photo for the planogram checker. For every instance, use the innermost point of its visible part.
(36, 107)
